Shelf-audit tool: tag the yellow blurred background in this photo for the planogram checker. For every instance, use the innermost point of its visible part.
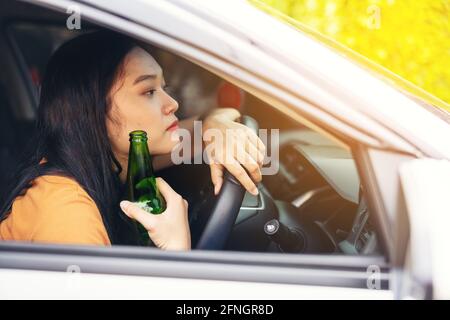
(409, 37)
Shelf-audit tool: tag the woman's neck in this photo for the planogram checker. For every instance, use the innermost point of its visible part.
(123, 161)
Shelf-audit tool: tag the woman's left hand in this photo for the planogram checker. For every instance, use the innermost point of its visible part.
(238, 148)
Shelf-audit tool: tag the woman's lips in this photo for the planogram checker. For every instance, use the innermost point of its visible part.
(173, 126)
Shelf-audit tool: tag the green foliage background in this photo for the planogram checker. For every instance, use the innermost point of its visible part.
(409, 37)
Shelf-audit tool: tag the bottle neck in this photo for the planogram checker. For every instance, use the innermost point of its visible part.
(139, 159)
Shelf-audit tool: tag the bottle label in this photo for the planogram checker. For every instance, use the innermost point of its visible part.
(144, 205)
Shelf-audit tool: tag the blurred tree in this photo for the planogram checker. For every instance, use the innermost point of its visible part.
(409, 37)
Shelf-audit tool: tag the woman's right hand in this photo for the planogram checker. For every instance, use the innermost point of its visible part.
(170, 229)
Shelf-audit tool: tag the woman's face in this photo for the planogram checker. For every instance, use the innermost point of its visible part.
(139, 102)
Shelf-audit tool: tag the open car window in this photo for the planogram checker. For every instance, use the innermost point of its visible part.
(315, 190)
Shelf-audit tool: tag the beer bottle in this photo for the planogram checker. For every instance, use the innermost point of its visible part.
(141, 181)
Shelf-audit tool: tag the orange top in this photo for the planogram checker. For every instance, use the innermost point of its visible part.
(55, 209)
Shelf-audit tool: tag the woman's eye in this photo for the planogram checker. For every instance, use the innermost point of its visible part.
(150, 92)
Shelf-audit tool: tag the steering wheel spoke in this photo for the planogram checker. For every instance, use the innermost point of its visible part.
(223, 208)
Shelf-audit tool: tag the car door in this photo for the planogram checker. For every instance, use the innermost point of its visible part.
(87, 272)
(49, 271)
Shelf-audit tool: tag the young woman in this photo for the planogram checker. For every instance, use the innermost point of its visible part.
(99, 87)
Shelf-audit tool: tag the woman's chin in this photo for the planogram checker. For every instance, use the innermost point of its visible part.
(171, 142)
(174, 137)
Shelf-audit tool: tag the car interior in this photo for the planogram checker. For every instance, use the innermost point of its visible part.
(314, 203)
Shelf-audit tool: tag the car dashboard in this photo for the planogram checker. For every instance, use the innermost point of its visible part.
(316, 192)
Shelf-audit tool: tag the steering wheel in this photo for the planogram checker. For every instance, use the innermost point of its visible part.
(223, 208)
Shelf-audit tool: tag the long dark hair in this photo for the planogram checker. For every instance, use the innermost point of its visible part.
(71, 127)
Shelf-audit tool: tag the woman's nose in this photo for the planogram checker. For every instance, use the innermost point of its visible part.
(170, 105)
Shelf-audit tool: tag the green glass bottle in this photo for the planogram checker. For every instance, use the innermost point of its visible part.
(141, 181)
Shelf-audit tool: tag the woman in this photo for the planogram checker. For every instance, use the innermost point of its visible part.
(98, 87)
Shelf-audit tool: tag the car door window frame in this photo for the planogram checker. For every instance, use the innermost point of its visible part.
(302, 269)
